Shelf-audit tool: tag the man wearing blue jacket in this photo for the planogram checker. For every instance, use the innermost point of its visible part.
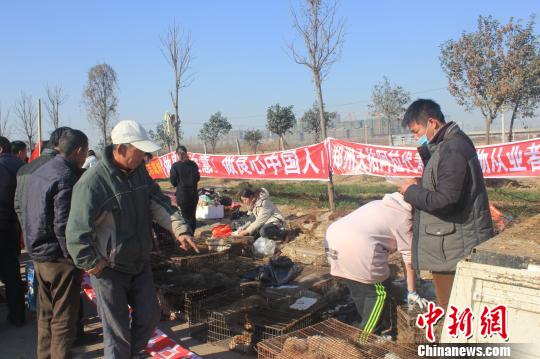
(47, 207)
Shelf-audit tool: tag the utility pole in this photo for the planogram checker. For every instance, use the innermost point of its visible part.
(39, 125)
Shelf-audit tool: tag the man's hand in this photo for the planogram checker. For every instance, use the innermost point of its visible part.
(243, 233)
(186, 241)
(96, 271)
(414, 298)
(403, 188)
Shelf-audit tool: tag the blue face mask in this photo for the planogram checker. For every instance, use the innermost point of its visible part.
(422, 141)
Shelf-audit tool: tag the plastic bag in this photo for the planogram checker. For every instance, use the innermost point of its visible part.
(279, 271)
(221, 231)
(264, 247)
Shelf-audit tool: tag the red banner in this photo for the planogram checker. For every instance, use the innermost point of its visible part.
(303, 163)
(515, 159)
(349, 158)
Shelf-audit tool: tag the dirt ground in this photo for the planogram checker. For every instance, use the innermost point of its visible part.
(308, 225)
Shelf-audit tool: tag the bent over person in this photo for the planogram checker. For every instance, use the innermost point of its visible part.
(358, 246)
(109, 235)
(265, 218)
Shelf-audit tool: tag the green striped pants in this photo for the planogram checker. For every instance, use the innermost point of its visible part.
(373, 304)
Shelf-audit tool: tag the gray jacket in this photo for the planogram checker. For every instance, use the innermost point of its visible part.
(452, 210)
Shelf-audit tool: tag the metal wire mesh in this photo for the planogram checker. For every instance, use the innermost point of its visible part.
(267, 319)
(408, 332)
(331, 339)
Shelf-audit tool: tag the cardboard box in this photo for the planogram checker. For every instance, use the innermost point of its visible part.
(209, 212)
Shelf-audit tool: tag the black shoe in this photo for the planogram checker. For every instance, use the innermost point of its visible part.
(16, 322)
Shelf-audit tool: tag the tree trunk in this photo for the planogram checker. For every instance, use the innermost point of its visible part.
(511, 129)
(390, 139)
(176, 120)
(104, 131)
(331, 193)
(488, 130)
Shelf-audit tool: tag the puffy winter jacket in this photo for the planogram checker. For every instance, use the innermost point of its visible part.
(111, 217)
(265, 212)
(20, 194)
(452, 205)
(48, 201)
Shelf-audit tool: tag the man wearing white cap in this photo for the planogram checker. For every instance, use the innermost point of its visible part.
(109, 235)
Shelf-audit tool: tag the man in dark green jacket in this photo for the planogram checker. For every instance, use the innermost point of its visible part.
(451, 202)
(109, 235)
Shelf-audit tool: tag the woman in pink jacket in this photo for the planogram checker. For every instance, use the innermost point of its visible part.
(358, 246)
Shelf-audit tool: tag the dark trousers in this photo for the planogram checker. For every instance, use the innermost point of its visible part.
(114, 292)
(443, 281)
(10, 272)
(187, 201)
(374, 305)
(59, 285)
(272, 231)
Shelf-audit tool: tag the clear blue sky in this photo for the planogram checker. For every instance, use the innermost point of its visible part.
(240, 62)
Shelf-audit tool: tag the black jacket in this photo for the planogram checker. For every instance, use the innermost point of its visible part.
(185, 176)
(48, 203)
(9, 165)
(452, 209)
(20, 194)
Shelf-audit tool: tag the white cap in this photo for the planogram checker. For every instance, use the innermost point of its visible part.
(133, 133)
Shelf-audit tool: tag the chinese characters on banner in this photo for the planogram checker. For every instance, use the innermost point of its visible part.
(492, 321)
(303, 163)
(516, 159)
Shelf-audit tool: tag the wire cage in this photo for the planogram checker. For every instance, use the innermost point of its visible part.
(200, 308)
(331, 339)
(408, 332)
(261, 320)
(181, 261)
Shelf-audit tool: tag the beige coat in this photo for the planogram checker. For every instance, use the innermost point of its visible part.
(265, 212)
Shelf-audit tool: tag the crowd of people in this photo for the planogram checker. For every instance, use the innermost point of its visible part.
(77, 213)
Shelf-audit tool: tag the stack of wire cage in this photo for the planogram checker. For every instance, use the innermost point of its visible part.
(168, 257)
(267, 319)
(331, 339)
(408, 331)
(168, 253)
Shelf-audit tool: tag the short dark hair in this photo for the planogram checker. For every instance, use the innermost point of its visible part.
(5, 145)
(420, 111)
(56, 135)
(181, 148)
(71, 140)
(17, 146)
(91, 153)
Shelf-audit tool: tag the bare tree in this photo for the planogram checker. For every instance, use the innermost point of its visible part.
(26, 113)
(389, 101)
(323, 37)
(176, 48)
(100, 98)
(56, 98)
(5, 129)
